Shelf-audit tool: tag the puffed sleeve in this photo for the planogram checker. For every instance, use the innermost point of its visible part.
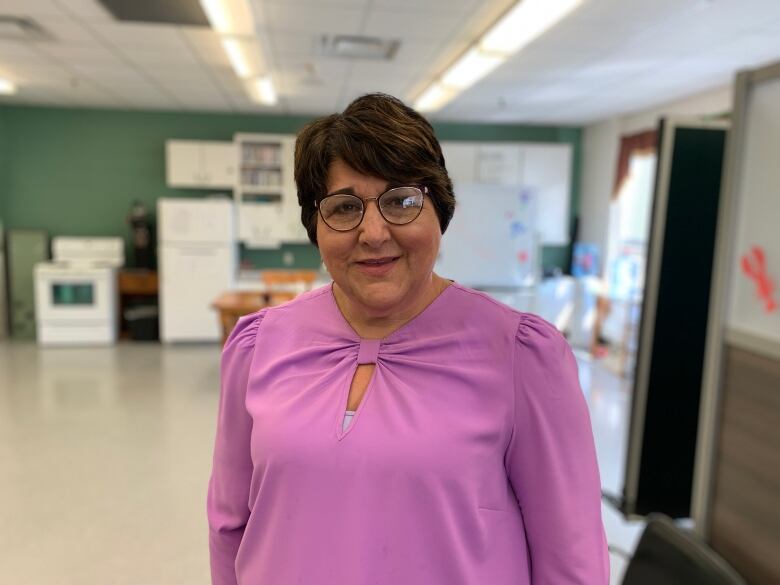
(228, 494)
(551, 462)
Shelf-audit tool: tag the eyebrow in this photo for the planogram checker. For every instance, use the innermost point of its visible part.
(351, 190)
(343, 191)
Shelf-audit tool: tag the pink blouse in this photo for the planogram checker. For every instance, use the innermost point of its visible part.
(470, 460)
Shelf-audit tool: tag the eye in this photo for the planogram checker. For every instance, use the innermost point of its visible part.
(345, 207)
(398, 201)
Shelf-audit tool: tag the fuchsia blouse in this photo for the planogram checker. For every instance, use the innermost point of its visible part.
(470, 460)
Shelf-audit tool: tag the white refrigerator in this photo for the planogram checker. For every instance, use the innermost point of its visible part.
(197, 262)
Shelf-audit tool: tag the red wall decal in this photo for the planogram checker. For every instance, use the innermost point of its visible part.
(754, 267)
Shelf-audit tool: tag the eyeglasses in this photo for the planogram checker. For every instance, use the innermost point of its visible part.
(398, 206)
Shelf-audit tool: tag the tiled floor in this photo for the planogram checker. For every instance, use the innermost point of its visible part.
(105, 455)
(608, 397)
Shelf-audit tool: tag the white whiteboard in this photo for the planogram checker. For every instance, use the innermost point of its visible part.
(544, 168)
(491, 240)
(758, 217)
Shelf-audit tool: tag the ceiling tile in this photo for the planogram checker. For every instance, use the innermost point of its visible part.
(381, 71)
(107, 74)
(315, 19)
(294, 44)
(17, 51)
(314, 107)
(416, 53)
(80, 53)
(609, 56)
(194, 74)
(206, 45)
(151, 57)
(82, 91)
(129, 35)
(227, 82)
(39, 75)
(66, 29)
(200, 90)
(427, 6)
(392, 86)
(34, 96)
(303, 74)
(571, 35)
(30, 8)
(197, 99)
(302, 5)
(408, 24)
(86, 10)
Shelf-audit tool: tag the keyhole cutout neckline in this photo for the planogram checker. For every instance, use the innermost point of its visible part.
(394, 332)
(361, 381)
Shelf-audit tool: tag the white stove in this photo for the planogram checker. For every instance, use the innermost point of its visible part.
(76, 297)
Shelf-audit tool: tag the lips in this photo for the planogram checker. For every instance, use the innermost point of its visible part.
(377, 266)
(377, 261)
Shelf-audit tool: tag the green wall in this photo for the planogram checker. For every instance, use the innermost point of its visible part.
(76, 171)
(3, 167)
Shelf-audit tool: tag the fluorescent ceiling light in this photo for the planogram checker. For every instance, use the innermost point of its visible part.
(234, 22)
(229, 17)
(470, 68)
(434, 98)
(237, 55)
(263, 91)
(7, 87)
(523, 23)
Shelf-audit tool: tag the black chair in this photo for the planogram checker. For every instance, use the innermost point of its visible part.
(670, 555)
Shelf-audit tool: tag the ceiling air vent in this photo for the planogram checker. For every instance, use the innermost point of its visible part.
(181, 12)
(18, 28)
(357, 47)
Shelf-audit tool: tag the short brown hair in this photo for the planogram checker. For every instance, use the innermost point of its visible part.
(377, 135)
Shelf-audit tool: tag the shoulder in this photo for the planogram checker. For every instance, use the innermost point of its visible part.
(302, 306)
(530, 332)
(244, 333)
(544, 364)
(479, 309)
(534, 333)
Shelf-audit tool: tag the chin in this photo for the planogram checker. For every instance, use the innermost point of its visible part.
(382, 298)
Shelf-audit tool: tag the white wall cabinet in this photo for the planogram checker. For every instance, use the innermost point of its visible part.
(259, 170)
(200, 164)
(265, 194)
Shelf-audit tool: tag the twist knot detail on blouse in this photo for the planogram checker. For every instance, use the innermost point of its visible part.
(469, 461)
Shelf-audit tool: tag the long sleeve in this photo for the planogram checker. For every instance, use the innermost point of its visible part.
(228, 493)
(551, 462)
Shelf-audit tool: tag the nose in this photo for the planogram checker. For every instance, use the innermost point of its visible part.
(374, 230)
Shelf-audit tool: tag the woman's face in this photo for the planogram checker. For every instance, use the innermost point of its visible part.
(391, 288)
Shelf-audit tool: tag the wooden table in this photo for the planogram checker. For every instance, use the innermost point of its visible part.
(232, 305)
(275, 287)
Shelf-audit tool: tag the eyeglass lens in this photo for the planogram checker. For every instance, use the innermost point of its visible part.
(398, 206)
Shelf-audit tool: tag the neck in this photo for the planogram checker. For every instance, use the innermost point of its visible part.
(370, 323)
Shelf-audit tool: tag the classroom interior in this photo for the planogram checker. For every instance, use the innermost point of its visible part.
(628, 150)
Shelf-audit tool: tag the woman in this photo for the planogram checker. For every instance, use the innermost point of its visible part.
(468, 458)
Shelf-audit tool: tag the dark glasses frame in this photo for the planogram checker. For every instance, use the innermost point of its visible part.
(424, 191)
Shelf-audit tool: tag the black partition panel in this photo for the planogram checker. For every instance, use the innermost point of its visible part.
(670, 360)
